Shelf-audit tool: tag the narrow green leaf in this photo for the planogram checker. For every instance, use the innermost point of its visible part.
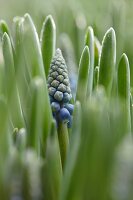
(1, 79)
(124, 85)
(4, 136)
(131, 111)
(33, 58)
(124, 78)
(21, 69)
(94, 156)
(31, 48)
(31, 179)
(89, 41)
(39, 116)
(75, 135)
(10, 83)
(107, 60)
(3, 28)
(5, 145)
(48, 41)
(96, 76)
(9, 63)
(53, 173)
(83, 75)
(16, 29)
(97, 46)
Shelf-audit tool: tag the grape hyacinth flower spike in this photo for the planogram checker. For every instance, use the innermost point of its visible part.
(59, 90)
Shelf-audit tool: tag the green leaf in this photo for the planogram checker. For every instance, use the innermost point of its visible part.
(11, 92)
(16, 28)
(5, 136)
(75, 139)
(53, 172)
(48, 42)
(33, 60)
(107, 60)
(97, 46)
(9, 63)
(83, 73)
(124, 78)
(31, 178)
(3, 28)
(131, 111)
(124, 85)
(31, 48)
(89, 41)
(96, 76)
(91, 170)
(39, 116)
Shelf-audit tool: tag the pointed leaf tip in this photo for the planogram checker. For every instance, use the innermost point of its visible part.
(27, 15)
(48, 41)
(83, 73)
(49, 19)
(5, 35)
(107, 60)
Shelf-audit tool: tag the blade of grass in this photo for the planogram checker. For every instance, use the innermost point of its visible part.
(89, 41)
(39, 117)
(107, 60)
(96, 76)
(48, 42)
(33, 58)
(3, 28)
(10, 83)
(97, 48)
(124, 87)
(31, 48)
(75, 139)
(53, 172)
(83, 73)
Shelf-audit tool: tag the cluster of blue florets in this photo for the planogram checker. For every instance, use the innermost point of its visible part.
(59, 90)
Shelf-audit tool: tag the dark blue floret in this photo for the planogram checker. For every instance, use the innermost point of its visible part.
(64, 115)
(69, 107)
(51, 99)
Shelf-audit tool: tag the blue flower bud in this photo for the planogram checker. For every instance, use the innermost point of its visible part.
(51, 99)
(55, 106)
(64, 115)
(69, 107)
(52, 91)
(58, 80)
(66, 97)
(58, 96)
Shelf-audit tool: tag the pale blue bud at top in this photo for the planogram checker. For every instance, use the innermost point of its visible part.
(58, 81)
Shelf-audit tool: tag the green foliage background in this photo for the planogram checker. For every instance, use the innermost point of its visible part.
(101, 15)
(98, 159)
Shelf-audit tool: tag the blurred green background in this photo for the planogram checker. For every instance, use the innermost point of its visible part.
(71, 15)
(95, 158)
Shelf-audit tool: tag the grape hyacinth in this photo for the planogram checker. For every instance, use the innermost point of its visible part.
(59, 90)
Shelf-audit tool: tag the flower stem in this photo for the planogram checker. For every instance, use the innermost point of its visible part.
(63, 141)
